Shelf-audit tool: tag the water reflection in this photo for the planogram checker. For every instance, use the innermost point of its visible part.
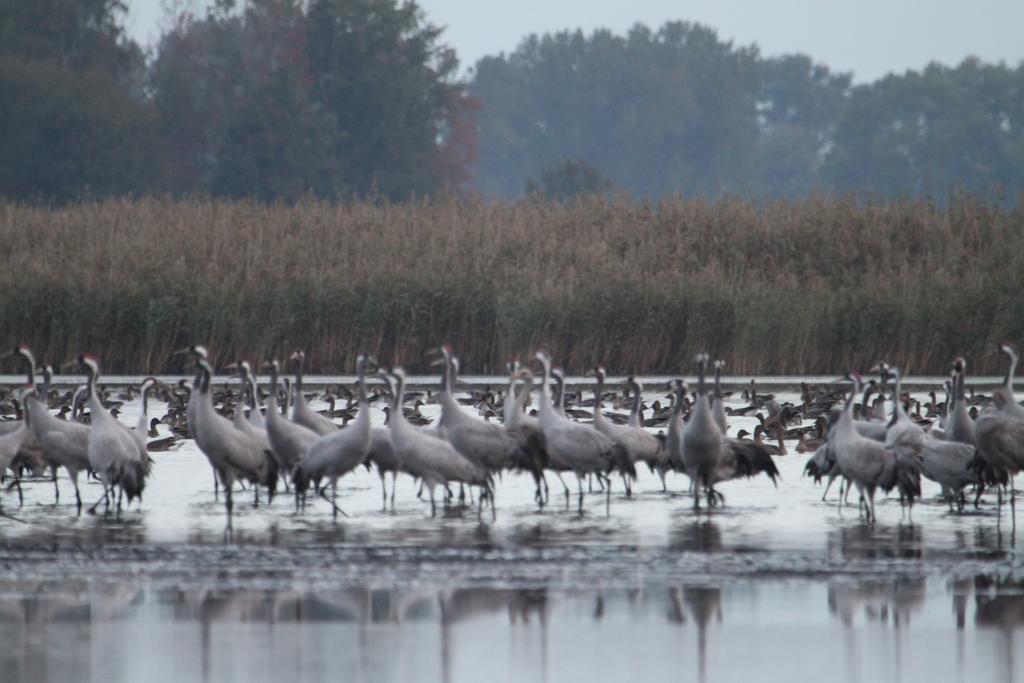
(877, 600)
(457, 632)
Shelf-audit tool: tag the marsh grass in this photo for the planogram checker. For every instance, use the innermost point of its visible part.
(792, 287)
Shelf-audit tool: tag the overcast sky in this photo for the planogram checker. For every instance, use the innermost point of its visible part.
(867, 37)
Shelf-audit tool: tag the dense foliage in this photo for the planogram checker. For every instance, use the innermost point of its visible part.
(678, 110)
(339, 99)
(810, 286)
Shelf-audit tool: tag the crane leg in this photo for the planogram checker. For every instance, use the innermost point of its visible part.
(384, 488)
(56, 489)
(92, 510)
(827, 487)
(394, 481)
(256, 489)
(216, 486)
(17, 484)
(462, 494)
(433, 506)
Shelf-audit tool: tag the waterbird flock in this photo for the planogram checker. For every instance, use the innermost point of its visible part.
(967, 442)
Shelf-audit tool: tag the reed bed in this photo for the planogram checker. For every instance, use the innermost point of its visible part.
(814, 286)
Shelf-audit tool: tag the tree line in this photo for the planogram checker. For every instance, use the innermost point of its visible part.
(340, 99)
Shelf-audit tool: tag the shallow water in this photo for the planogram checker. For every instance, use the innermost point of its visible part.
(775, 584)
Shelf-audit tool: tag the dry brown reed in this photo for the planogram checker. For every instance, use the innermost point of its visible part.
(790, 287)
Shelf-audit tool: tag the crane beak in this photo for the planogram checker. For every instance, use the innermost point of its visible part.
(439, 361)
(69, 364)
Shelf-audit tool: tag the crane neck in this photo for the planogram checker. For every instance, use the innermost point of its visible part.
(547, 404)
(272, 398)
(634, 414)
(396, 418)
(897, 409)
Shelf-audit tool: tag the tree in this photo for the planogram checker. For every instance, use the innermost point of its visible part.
(380, 69)
(569, 179)
(73, 120)
(656, 112)
(933, 131)
(330, 97)
(798, 104)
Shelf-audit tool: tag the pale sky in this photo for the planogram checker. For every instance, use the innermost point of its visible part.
(868, 37)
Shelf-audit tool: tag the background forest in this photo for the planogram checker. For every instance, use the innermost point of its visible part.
(343, 99)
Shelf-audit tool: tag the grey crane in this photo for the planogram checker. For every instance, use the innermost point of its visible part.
(488, 445)
(384, 457)
(199, 352)
(701, 441)
(340, 452)
(674, 428)
(999, 430)
(864, 461)
(634, 444)
(903, 437)
(65, 442)
(658, 461)
(12, 440)
(289, 440)
(240, 456)
(526, 429)
(959, 425)
(258, 434)
(112, 449)
(302, 414)
(430, 458)
(584, 449)
(719, 406)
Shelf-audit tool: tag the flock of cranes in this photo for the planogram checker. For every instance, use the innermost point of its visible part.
(307, 453)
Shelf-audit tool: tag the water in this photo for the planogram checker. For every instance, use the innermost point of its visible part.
(776, 584)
